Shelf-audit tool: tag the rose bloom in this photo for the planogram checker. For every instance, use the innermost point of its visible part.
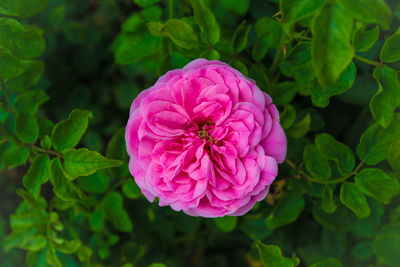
(205, 140)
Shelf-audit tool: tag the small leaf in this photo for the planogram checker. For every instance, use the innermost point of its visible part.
(330, 262)
(363, 40)
(97, 183)
(96, 221)
(23, 42)
(145, 3)
(68, 246)
(269, 35)
(394, 156)
(283, 93)
(288, 116)
(82, 162)
(25, 240)
(330, 49)
(363, 250)
(352, 198)
(209, 27)
(33, 70)
(51, 257)
(226, 223)
(368, 11)
(67, 133)
(37, 174)
(315, 163)
(112, 206)
(84, 253)
(377, 184)
(387, 249)
(10, 66)
(387, 99)
(271, 256)
(30, 101)
(328, 204)
(285, 212)
(45, 142)
(27, 220)
(239, 39)
(131, 190)
(62, 187)
(300, 128)
(21, 8)
(15, 156)
(239, 7)
(26, 127)
(336, 151)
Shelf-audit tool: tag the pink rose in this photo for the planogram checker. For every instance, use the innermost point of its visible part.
(206, 140)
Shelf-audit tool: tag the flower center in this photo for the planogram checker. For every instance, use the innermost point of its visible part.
(204, 134)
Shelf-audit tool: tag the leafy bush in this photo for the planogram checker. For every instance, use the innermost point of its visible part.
(69, 71)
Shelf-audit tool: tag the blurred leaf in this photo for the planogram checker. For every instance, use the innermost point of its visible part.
(300, 128)
(352, 198)
(36, 258)
(22, 8)
(33, 70)
(283, 93)
(268, 35)
(10, 66)
(336, 151)
(23, 42)
(97, 183)
(328, 204)
(330, 49)
(320, 96)
(239, 39)
(226, 223)
(209, 27)
(131, 48)
(67, 133)
(368, 11)
(84, 253)
(363, 250)
(26, 127)
(96, 221)
(62, 187)
(271, 256)
(134, 22)
(288, 116)
(68, 246)
(37, 174)
(30, 101)
(177, 30)
(131, 190)
(15, 156)
(52, 259)
(28, 220)
(286, 211)
(315, 163)
(45, 142)
(377, 184)
(25, 240)
(239, 7)
(331, 262)
(116, 149)
(341, 220)
(387, 249)
(145, 3)
(363, 39)
(83, 162)
(394, 156)
(112, 206)
(387, 99)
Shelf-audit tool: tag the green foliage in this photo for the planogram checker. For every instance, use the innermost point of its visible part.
(330, 67)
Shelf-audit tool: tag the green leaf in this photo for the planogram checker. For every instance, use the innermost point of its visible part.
(271, 256)
(330, 49)
(82, 162)
(226, 223)
(112, 206)
(37, 174)
(340, 220)
(67, 133)
(27, 220)
(352, 198)
(51, 257)
(375, 141)
(315, 163)
(300, 128)
(328, 204)
(239, 39)
(239, 7)
(45, 142)
(84, 253)
(21, 8)
(387, 99)
(283, 93)
(116, 149)
(68, 246)
(336, 151)
(62, 187)
(320, 96)
(293, 11)
(25, 240)
(368, 11)
(23, 42)
(288, 116)
(26, 127)
(97, 183)
(136, 20)
(131, 48)
(131, 190)
(15, 156)
(10, 66)
(96, 221)
(33, 70)
(363, 250)
(387, 249)
(181, 33)
(145, 3)
(30, 101)
(363, 39)
(269, 35)
(377, 184)
(394, 156)
(209, 27)
(286, 211)
(36, 259)
(330, 262)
